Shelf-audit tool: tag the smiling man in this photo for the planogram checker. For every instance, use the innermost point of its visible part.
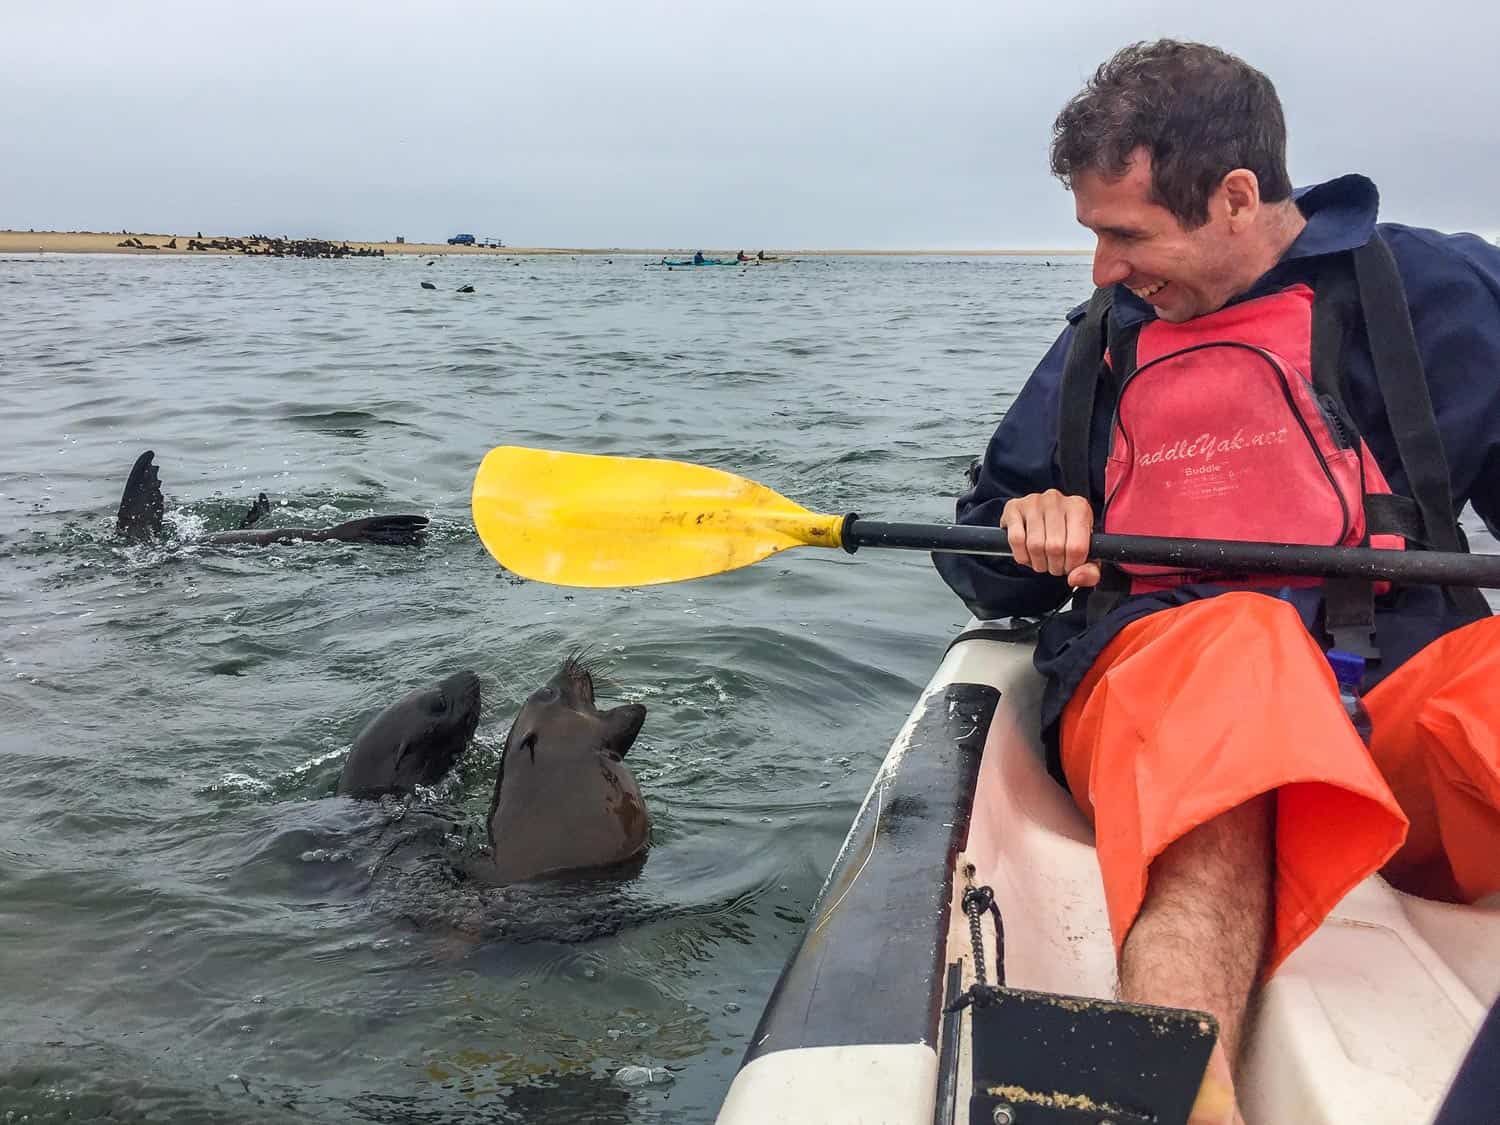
(1261, 364)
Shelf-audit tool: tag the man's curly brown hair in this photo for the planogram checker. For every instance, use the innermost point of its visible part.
(1199, 111)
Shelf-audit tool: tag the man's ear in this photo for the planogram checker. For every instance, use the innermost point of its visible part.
(1239, 193)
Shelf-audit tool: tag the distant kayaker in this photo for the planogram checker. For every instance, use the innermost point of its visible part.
(761, 254)
(1193, 715)
(697, 257)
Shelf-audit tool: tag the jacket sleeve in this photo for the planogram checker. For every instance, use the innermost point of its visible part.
(1020, 459)
(1453, 288)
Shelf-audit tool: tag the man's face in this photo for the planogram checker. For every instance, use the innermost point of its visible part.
(1181, 273)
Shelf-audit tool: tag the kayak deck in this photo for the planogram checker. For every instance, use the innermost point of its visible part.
(1366, 1022)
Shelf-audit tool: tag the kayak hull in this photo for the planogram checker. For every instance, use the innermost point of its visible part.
(1367, 1021)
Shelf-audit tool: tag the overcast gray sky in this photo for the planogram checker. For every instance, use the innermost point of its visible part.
(721, 123)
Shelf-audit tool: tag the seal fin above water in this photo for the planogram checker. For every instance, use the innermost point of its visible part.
(141, 504)
(389, 531)
(261, 507)
(142, 508)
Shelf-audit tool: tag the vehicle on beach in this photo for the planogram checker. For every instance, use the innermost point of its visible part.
(462, 240)
(1367, 1021)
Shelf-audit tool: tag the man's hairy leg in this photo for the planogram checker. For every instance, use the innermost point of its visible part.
(1201, 936)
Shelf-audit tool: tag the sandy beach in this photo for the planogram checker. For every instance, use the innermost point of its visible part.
(95, 242)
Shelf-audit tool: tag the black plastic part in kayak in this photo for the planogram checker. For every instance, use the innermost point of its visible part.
(1040, 1059)
(1475, 1094)
(871, 967)
(947, 1084)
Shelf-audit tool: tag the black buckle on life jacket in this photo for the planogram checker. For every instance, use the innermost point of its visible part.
(1349, 616)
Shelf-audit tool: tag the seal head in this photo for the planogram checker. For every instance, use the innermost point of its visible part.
(564, 798)
(415, 741)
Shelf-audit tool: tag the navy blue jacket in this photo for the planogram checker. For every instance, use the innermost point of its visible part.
(1452, 285)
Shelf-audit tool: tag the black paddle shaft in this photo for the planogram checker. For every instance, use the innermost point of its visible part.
(1222, 557)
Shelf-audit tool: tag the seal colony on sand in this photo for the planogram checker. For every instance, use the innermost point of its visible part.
(142, 507)
(564, 799)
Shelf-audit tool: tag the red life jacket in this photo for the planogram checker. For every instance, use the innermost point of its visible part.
(1286, 495)
(1219, 433)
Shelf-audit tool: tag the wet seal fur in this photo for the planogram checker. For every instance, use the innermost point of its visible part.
(415, 741)
(142, 507)
(564, 798)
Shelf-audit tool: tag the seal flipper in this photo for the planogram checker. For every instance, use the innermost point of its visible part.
(388, 531)
(261, 507)
(141, 504)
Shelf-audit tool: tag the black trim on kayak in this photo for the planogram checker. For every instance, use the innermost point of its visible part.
(870, 968)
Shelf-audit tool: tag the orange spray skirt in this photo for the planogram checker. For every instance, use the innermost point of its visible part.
(1195, 710)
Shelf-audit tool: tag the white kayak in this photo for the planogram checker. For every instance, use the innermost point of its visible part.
(1366, 1022)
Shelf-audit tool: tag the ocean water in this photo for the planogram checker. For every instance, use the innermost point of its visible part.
(191, 927)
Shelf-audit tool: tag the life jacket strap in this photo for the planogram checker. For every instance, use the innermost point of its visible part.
(1114, 585)
(1408, 406)
(1079, 392)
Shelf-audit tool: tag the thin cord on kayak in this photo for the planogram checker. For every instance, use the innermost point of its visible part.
(976, 901)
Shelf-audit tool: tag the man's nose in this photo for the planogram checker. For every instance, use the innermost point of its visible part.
(1109, 268)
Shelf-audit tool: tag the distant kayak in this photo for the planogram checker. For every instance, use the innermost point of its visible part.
(673, 263)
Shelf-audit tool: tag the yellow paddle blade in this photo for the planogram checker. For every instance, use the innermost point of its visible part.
(580, 520)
